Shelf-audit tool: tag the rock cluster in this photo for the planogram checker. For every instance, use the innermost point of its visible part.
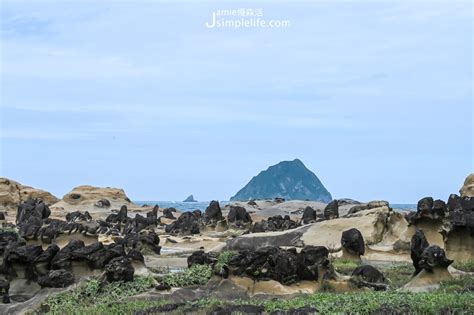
(187, 224)
(275, 223)
(284, 266)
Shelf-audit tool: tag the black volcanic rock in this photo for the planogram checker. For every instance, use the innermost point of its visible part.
(353, 241)
(418, 245)
(213, 212)
(288, 180)
(331, 211)
(190, 199)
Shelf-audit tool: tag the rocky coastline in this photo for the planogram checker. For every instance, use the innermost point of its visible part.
(258, 249)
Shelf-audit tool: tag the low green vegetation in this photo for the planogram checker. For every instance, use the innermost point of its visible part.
(382, 302)
(398, 274)
(94, 298)
(196, 275)
(458, 285)
(223, 259)
(369, 302)
(464, 265)
(345, 266)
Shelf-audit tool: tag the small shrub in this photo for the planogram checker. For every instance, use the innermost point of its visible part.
(196, 275)
(92, 296)
(223, 259)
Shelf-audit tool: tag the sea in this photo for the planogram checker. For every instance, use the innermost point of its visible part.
(181, 206)
(202, 205)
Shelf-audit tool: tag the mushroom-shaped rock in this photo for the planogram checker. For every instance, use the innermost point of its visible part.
(353, 244)
(119, 269)
(238, 216)
(434, 266)
(309, 215)
(213, 213)
(56, 279)
(417, 246)
(433, 257)
(369, 276)
(331, 211)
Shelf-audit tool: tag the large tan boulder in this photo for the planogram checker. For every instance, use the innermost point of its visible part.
(91, 198)
(371, 223)
(467, 190)
(12, 193)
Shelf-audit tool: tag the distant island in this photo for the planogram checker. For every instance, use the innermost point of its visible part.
(190, 199)
(290, 180)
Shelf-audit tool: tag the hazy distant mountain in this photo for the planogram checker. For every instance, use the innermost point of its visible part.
(287, 179)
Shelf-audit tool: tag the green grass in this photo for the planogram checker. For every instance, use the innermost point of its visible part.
(398, 274)
(93, 298)
(369, 302)
(457, 285)
(359, 303)
(464, 265)
(196, 275)
(223, 259)
(345, 266)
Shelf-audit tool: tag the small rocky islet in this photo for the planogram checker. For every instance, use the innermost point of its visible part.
(254, 251)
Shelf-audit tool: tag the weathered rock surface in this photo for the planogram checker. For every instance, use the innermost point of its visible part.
(371, 223)
(353, 243)
(418, 245)
(56, 279)
(12, 194)
(467, 190)
(213, 213)
(433, 257)
(119, 269)
(186, 224)
(284, 266)
(332, 210)
(238, 216)
(288, 180)
(274, 223)
(309, 215)
(370, 277)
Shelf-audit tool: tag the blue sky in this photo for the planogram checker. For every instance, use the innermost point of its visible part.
(374, 97)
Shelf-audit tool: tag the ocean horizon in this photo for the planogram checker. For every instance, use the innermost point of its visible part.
(202, 205)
